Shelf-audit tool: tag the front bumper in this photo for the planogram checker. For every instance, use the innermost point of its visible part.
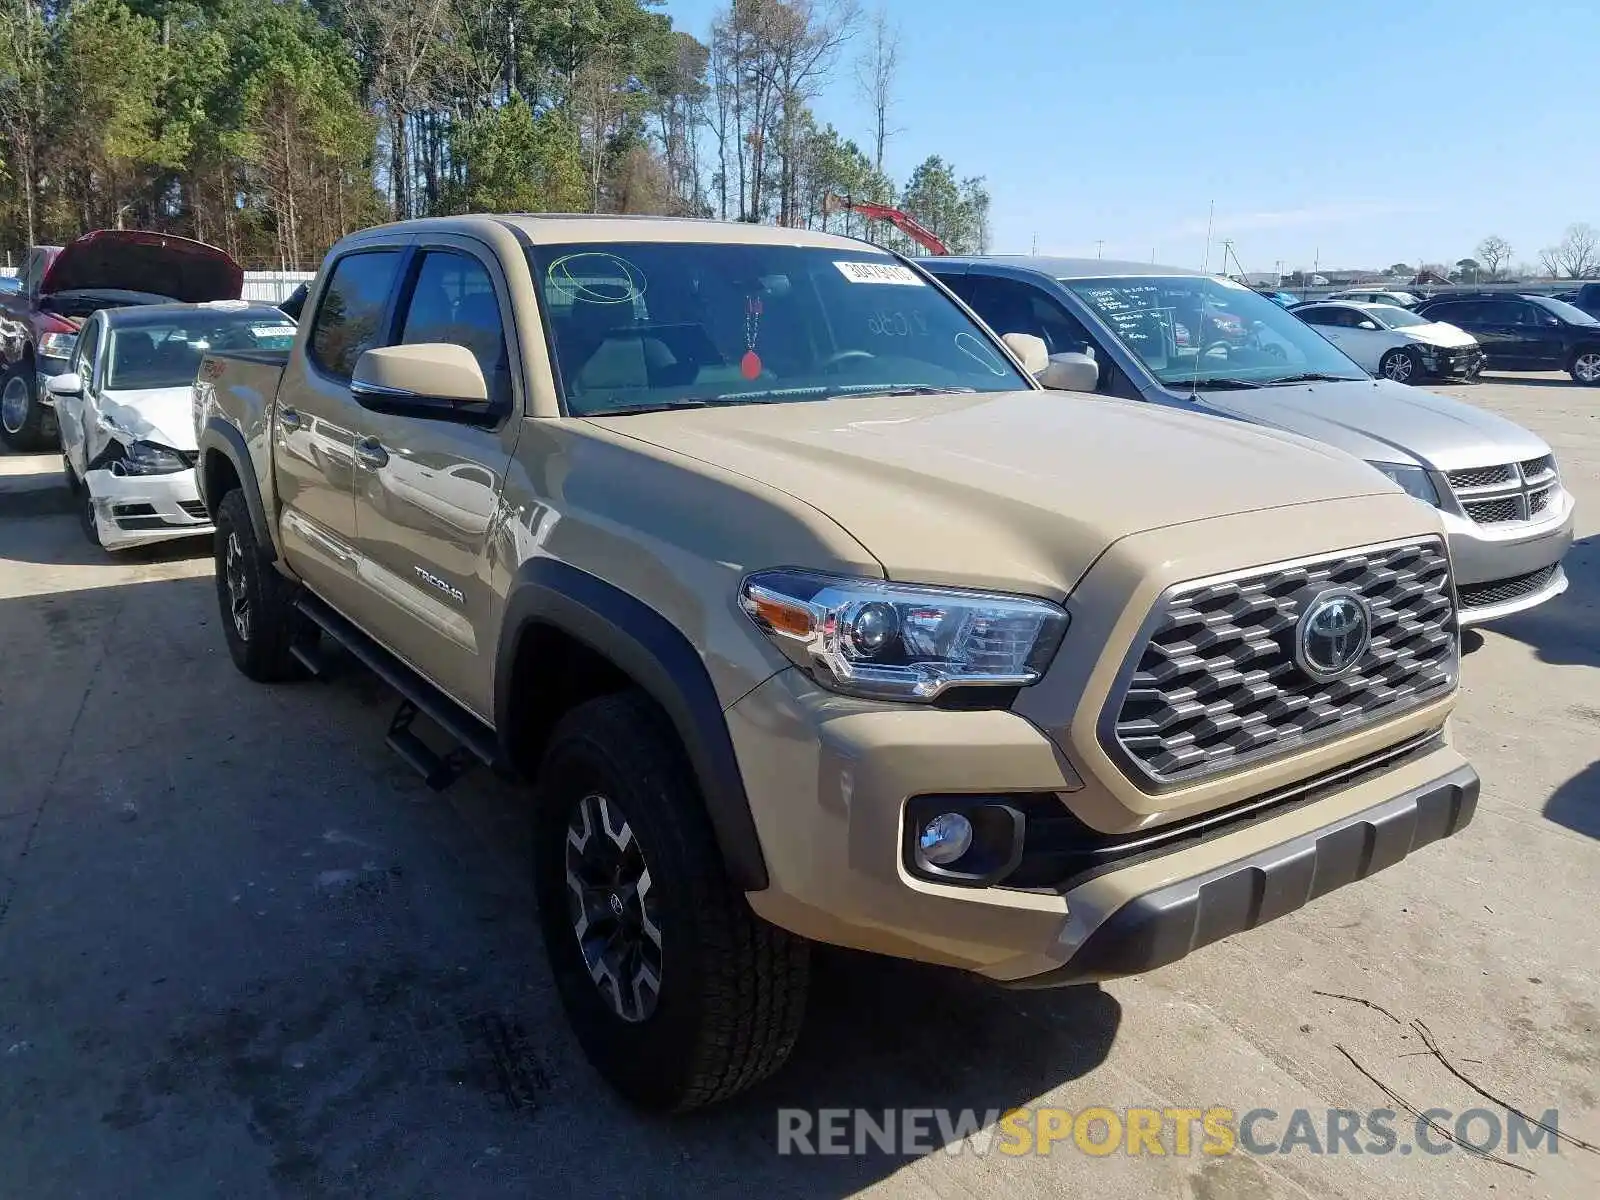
(1452, 362)
(830, 780)
(140, 510)
(1504, 569)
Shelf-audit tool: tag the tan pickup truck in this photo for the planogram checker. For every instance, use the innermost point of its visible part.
(810, 614)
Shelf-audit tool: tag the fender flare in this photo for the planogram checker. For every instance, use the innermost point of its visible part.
(651, 650)
(221, 437)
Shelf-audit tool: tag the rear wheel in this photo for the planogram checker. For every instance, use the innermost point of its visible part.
(679, 994)
(1400, 365)
(1585, 367)
(259, 619)
(25, 424)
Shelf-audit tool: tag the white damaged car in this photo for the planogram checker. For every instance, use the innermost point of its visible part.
(1394, 342)
(124, 405)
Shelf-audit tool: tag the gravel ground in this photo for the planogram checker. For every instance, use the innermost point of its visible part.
(244, 952)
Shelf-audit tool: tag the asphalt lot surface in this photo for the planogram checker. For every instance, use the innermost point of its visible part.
(245, 952)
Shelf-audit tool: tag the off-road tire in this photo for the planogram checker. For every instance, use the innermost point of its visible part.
(733, 988)
(1585, 366)
(37, 429)
(1392, 362)
(262, 649)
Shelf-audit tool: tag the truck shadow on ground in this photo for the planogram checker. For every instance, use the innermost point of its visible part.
(1566, 631)
(1576, 803)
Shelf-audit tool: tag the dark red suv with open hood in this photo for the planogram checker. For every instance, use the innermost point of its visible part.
(59, 287)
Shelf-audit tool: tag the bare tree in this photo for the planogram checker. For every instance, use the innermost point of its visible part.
(875, 75)
(1494, 252)
(800, 39)
(1577, 256)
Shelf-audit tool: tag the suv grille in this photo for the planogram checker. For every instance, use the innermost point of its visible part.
(1499, 495)
(1215, 683)
(1482, 595)
(1492, 512)
(1476, 477)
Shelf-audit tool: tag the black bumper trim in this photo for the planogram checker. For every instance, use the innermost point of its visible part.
(1163, 926)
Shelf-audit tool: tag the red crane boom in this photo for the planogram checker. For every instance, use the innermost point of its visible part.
(907, 225)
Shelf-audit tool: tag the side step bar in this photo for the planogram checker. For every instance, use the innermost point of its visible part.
(475, 739)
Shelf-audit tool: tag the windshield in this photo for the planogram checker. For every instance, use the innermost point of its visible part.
(1567, 312)
(637, 325)
(1194, 330)
(166, 353)
(1394, 317)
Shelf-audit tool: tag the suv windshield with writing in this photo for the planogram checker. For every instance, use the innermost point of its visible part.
(639, 325)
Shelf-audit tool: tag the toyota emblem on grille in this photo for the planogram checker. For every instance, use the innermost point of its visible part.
(1334, 632)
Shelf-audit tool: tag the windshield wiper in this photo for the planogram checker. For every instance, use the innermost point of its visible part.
(900, 389)
(1311, 377)
(1218, 382)
(650, 406)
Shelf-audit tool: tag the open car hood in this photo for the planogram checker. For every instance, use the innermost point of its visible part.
(136, 261)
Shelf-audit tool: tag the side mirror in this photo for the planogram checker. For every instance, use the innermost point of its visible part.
(70, 384)
(1070, 372)
(1372, 325)
(438, 379)
(1035, 355)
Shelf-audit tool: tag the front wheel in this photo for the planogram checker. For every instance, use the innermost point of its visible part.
(1585, 367)
(678, 993)
(1399, 365)
(25, 424)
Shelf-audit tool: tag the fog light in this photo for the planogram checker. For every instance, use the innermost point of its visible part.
(945, 839)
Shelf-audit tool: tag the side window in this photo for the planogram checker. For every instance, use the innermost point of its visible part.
(1062, 331)
(1004, 305)
(1452, 314)
(349, 319)
(1316, 316)
(453, 301)
(83, 353)
(1516, 313)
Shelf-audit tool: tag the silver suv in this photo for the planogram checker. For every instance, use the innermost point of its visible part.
(1184, 339)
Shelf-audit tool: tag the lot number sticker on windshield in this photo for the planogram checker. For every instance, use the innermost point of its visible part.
(871, 272)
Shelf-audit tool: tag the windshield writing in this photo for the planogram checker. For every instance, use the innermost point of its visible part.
(1195, 329)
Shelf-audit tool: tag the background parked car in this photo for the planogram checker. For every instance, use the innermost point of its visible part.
(1525, 333)
(1394, 342)
(1587, 298)
(126, 413)
(1367, 296)
(61, 287)
(1113, 325)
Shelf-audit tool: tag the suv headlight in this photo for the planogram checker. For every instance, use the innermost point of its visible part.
(147, 458)
(891, 641)
(57, 345)
(1413, 480)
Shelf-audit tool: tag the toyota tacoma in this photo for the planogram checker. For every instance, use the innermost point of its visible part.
(809, 616)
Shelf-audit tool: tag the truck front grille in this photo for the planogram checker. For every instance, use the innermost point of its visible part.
(1213, 682)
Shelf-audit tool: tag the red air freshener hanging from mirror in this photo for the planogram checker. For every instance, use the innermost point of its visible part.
(750, 364)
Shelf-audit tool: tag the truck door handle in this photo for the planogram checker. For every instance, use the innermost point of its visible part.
(289, 419)
(370, 453)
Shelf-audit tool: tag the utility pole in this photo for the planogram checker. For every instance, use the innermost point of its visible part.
(1036, 244)
(1099, 247)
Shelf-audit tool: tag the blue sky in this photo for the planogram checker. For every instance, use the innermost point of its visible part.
(1316, 129)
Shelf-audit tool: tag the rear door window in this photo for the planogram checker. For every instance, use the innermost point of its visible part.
(350, 315)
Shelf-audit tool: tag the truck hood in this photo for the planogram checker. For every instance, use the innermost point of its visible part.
(161, 415)
(1014, 490)
(1386, 422)
(132, 260)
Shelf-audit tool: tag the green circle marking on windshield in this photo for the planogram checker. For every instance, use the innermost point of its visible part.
(596, 277)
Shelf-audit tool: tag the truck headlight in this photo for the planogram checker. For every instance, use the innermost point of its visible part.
(57, 345)
(891, 641)
(1414, 480)
(147, 458)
